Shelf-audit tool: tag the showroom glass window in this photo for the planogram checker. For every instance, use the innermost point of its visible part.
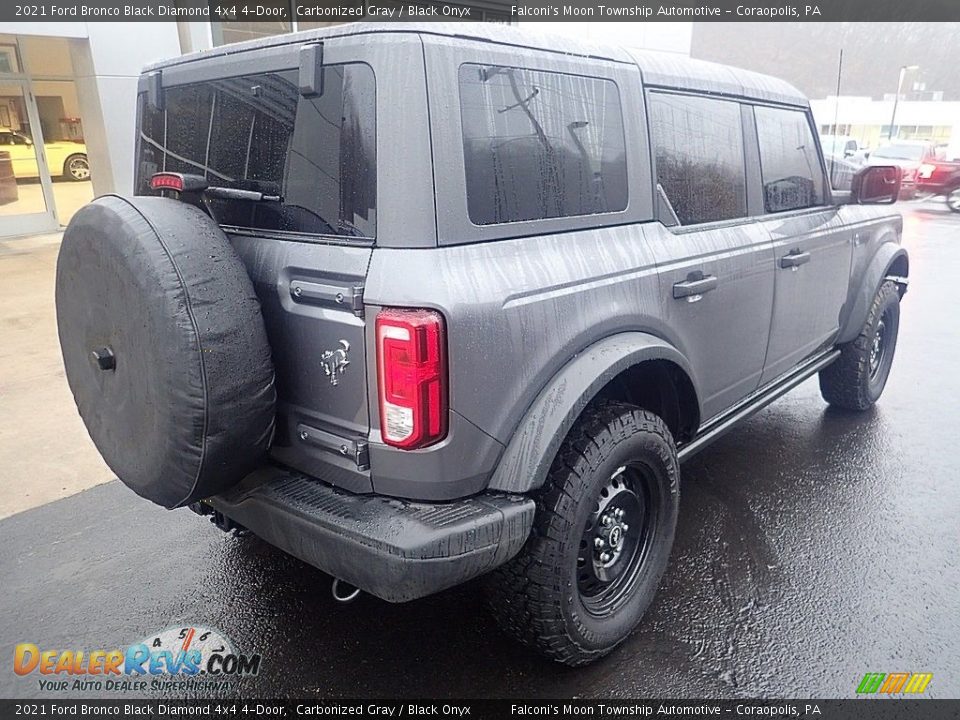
(698, 153)
(540, 144)
(789, 162)
(256, 132)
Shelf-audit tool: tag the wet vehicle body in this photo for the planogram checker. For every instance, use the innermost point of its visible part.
(506, 287)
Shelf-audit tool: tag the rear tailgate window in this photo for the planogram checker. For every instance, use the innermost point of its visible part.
(256, 132)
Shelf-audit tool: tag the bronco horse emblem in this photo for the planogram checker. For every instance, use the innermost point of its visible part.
(335, 362)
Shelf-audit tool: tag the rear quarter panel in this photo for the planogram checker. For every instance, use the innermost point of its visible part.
(518, 310)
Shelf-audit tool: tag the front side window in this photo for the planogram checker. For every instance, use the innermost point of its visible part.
(540, 144)
(698, 152)
(789, 162)
(256, 132)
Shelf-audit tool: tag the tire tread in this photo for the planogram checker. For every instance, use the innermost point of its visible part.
(844, 383)
(526, 595)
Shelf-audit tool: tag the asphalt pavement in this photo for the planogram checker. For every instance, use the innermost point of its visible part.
(813, 546)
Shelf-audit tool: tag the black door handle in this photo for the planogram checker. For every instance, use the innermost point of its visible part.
(794, 259)
(694, 286)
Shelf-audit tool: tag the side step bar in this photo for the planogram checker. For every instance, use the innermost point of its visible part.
(755, 402)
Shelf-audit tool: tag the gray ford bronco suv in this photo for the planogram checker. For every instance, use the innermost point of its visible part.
(418, 303)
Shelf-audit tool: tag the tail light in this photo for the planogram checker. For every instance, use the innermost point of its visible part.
(178, 182)
(167, 181)
(926, 170)
(411, 377)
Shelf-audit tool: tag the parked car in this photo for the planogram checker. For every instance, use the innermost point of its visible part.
(939, 177)
(429, 304)
(909, 155)
(65, 158)
(845, 147)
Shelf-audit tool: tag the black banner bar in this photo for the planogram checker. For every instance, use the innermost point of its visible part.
(889, 709)
(463, 10)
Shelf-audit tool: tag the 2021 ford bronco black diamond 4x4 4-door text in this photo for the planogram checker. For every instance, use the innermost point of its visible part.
(418, 304)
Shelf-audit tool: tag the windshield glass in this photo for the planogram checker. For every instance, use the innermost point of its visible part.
(900, 152)
(256, 132)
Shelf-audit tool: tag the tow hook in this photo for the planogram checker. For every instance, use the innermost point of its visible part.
(338, 588)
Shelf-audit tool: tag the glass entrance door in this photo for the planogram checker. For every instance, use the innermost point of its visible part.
(26, 191)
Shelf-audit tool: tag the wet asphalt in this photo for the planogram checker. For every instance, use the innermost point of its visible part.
(813, 546)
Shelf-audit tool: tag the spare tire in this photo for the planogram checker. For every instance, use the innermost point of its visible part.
(164, 347)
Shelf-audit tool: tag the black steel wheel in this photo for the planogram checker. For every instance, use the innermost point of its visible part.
(601, 539)
(617, 538)
(857, 378)
(880, 346)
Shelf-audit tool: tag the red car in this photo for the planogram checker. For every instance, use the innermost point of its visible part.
(908, 155)
(940, 177)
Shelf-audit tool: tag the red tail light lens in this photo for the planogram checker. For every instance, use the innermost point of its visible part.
(411, 377)
(167, 181)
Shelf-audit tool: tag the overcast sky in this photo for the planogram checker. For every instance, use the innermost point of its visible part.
(806, 54)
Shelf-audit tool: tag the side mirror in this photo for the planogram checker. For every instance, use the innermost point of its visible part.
(876, 185)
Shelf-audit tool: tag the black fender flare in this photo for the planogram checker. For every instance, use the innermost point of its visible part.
(876, 272)
(526, 460)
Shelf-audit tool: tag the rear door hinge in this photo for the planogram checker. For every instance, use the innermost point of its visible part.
(348, 296)
(356, 450)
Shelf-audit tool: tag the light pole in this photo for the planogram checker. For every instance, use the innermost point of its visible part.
(896, 98)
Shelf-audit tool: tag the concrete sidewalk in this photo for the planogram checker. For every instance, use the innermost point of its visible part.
(45, 452)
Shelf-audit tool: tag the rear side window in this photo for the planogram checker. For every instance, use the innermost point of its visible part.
(256, 132)
(698, 151)
(789, 162)
(540, 144)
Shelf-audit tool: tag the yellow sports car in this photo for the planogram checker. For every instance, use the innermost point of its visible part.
(64, 157)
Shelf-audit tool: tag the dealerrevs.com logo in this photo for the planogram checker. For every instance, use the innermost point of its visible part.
(178, 658)
(894, 683)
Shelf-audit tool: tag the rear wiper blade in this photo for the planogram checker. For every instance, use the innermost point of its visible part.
(197, 184)
(228, 193)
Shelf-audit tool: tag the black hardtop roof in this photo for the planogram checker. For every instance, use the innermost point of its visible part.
(658, 68)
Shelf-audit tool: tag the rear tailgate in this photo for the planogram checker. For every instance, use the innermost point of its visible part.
(311, 297)
(306, 248)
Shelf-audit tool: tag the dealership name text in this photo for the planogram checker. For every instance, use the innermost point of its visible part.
(646, 11)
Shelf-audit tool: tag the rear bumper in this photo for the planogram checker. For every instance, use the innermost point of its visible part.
(935, 187)
(397, 550)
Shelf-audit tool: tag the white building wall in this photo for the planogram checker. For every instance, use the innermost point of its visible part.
(872, 115)
(106, 61)
(107, 69)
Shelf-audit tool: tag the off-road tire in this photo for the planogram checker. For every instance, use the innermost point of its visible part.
(953, 199)
(848, 382)
(536, 596)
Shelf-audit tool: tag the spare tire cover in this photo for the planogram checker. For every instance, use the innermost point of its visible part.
(164, 347)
